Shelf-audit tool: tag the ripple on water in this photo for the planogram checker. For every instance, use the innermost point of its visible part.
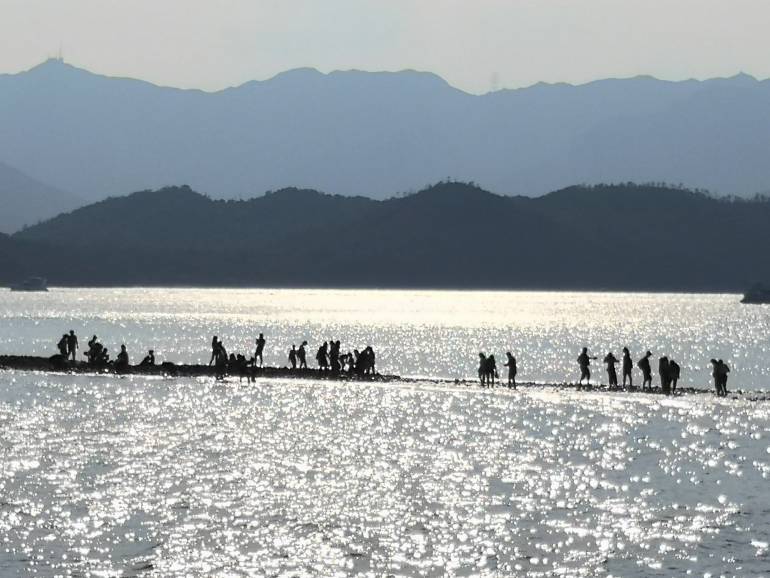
(118, 476)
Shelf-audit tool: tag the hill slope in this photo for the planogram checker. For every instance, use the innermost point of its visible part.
(380, 133)
(449, 235)
(26, 201)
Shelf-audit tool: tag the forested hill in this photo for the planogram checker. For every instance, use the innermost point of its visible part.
(450, 235)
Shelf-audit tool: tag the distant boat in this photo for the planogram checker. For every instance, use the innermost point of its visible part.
(757, 295)
(31, 284)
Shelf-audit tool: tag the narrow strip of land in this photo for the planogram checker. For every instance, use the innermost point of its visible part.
(29, 363)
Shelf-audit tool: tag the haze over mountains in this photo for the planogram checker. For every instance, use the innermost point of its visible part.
(449, 235)
(376, 134)
(26, 201)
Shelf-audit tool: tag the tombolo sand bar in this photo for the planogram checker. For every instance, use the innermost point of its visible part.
(55, 365)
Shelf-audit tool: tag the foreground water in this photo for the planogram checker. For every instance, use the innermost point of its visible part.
(110, 476)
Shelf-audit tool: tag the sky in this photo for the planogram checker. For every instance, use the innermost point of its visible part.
(476, 45)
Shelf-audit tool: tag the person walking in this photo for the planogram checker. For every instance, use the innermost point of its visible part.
(584, 361)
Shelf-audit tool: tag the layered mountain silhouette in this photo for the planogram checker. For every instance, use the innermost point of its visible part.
(448, 235)
(26, 201)
(377, 134)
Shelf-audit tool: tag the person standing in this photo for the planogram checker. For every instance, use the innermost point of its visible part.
(664, 369)
(62, 347)
(674, 372)
(72, 345)
(491, 369)
(214, 349)
(260, 349)
(301, 355)
(512, 369)
(644, 365)
(482, 369)
(723, 370)
(612, 374)
(293, 356)
(628, 367)
(321, 356)
(584, 361)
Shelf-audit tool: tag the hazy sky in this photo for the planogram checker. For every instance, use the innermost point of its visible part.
(476, 45)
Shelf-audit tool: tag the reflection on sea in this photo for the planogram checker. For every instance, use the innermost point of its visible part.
(415, 333)
(124, 476)
(117, 476)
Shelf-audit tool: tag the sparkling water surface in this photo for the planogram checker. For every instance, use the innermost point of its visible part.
(135, 476)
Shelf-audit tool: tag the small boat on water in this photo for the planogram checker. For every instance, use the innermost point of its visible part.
(31, 284)
(757, 295)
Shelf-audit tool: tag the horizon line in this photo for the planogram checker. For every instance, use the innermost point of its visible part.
(60, 61)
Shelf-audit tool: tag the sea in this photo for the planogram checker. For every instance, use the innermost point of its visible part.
(148, 476)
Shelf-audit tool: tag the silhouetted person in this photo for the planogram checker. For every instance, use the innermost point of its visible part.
(612, 375)
(293, 356)
(334, 356)
(122, 360)
(482, 369)
(369, 361)
(260, 349)
(220, 363)
(644, 365)
(628, 367)
(94, 353)
(62, 347)
(584, 361)
(491, 370)
(214, 349)
(149, 359)
(511, 365)
(301, 355)
(722, 370)
(72, 345)
(674, 372)
(321, 357)
(664, 369)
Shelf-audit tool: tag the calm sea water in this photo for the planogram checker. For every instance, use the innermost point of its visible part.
(109, 476)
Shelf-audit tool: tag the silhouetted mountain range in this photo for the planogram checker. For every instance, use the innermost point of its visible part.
(25, 201)
(449, 235)
(377, 134)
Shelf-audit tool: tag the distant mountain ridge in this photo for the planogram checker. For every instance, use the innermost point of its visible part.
(450, 235)
(375, 134)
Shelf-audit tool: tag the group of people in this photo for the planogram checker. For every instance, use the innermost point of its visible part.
(68, 346)
(719, 372)
(669, 371)
(97, 354)
(328, 358)
(488, 369)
